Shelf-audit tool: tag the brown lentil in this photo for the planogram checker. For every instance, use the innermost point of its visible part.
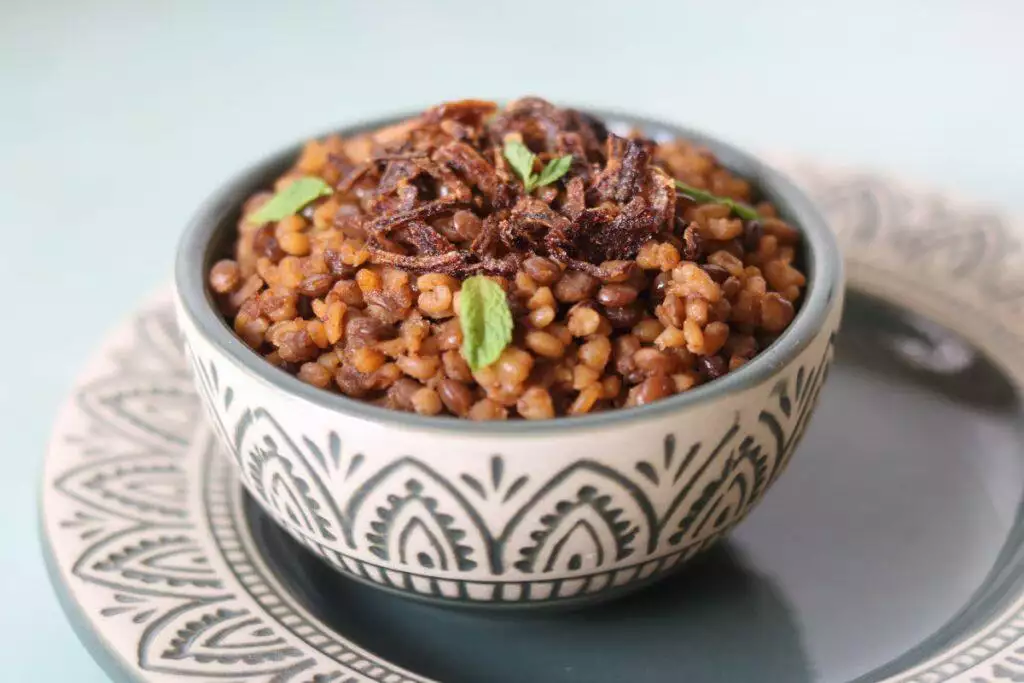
(457, 397)
(650, 390)
(575, 286)
(717, 273)
(616, 295)
(543, 271)
(624, 317)
(455, 366)
(401, 392)
(465, 225)
(776, 312)
(625, 348)
(652, 361)
(711, 367)
(673, 311)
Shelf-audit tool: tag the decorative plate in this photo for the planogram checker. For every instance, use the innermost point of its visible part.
(892, 550)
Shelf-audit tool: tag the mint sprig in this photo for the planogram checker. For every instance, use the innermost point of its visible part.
(485, 319)
(744, 211)
(291, 199)
(522, 160)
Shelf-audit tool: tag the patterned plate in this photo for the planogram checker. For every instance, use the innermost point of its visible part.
(893, 549)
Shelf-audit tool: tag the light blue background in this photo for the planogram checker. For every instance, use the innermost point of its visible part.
(118, 117)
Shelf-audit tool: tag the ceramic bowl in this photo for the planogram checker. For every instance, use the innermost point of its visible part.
(511, 513)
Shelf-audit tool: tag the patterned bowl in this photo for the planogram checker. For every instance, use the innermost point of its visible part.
(515, 513)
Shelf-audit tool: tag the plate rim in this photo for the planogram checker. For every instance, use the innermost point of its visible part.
(991, 646)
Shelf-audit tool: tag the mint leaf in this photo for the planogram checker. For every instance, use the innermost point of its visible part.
(485, 319)
(291, 200)
(521, 159)
(555, 169)
(744, 211)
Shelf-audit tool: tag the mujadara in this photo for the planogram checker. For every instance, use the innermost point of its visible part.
(493, 263)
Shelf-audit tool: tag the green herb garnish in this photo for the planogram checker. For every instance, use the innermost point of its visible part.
(485, 319)
(291, 200)
(744, 211)
(522, 159)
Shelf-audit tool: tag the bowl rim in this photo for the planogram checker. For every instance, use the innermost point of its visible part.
(220, 212)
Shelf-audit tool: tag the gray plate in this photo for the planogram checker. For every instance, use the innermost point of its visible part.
(888, 551)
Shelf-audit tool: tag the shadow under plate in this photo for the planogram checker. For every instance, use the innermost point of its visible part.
(895, 529)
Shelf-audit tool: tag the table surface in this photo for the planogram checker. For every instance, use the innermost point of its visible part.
(120, 116)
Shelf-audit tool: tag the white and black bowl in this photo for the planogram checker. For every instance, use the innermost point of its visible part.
(510, 513)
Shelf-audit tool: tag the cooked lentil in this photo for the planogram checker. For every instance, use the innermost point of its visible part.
(623, 291)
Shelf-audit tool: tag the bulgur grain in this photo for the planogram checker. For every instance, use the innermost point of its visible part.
(583, 376)
(426, 402)
(684, 381)
(595, 352)
(315, 374)
(583, 321)
(616, 295)
(542, 317)
(420, 367)
(650, 390)
(225, 276)
(647, 330)
(542, 297)
(672, 311)
(670, 337)
(535, 404)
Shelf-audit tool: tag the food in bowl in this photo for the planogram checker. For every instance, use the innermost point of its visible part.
(516, 262)
(489, 513)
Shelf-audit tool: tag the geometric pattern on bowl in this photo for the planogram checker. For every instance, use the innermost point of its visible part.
(416, 521)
